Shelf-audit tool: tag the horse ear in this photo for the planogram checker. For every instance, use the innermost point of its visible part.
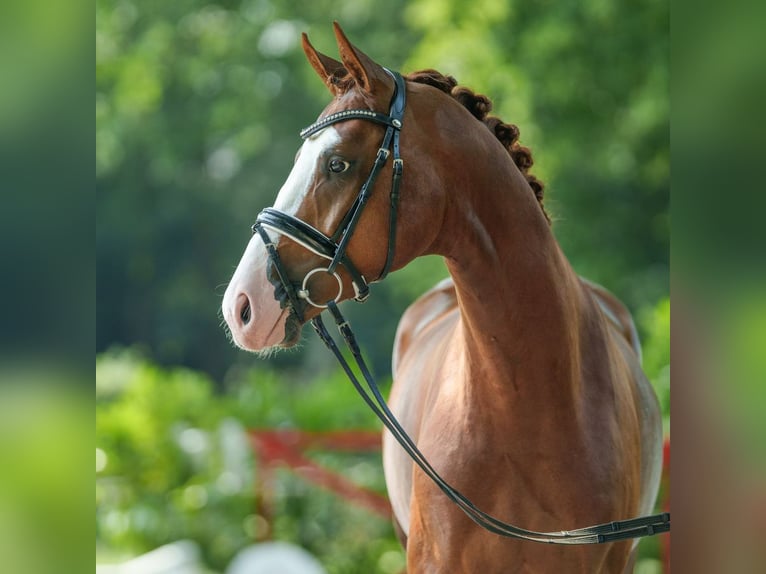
(369, 76)
(325, 66)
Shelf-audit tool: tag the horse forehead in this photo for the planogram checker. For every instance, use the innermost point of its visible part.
(296, 186)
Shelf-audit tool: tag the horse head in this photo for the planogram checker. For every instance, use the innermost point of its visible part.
(292, 265)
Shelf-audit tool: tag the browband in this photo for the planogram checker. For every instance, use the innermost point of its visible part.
(368, 115)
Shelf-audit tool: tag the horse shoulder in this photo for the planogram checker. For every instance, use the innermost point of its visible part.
(616, 312)
(411, 381)
(429, 307)
(646, 405)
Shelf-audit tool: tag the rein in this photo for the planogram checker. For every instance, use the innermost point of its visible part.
(334, 249)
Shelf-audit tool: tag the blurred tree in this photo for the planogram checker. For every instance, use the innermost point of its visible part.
(173, 462)
(587, 83)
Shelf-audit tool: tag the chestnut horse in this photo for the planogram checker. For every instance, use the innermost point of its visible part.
(520, 382)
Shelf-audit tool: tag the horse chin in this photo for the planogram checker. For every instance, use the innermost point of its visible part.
(292, 330)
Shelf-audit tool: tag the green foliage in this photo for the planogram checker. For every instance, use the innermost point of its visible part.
(587, 84)
(173, 462)
(741, 339)
(43, 427)
(655, 323)
(158, 470)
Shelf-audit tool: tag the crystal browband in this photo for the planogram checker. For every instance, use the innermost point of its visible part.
(368, 115)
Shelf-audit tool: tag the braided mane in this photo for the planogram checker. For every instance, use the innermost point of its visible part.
(480, 106)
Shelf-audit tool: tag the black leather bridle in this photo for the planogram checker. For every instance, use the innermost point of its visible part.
(334, 250)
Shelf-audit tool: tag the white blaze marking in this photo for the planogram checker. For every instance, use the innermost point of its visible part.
(297, 185)
(267, 326)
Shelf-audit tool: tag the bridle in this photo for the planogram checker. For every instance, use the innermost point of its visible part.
(334, 249)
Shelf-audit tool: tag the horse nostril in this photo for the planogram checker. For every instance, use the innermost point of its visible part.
(245, 312)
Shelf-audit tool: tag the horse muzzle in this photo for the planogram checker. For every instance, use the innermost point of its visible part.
(254, 314)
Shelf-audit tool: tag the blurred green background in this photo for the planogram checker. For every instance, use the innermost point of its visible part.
(198, 107)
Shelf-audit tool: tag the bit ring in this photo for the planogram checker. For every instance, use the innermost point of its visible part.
(303, 293)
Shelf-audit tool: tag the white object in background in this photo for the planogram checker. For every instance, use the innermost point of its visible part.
(180, 557)
(237, 457)
(274, 558)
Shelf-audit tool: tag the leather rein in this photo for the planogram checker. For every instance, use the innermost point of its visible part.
(334, 250)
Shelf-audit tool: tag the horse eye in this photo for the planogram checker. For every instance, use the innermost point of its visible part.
(338, 165)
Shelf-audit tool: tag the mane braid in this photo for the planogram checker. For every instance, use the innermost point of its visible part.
(480, 106)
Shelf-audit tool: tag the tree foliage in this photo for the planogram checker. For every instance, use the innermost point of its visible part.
(174, 462)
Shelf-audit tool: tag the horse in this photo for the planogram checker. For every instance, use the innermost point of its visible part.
(520, 381)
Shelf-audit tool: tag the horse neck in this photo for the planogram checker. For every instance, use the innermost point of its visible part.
(519, 298)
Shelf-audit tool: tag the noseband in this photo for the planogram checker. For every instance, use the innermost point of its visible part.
(334, 249)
